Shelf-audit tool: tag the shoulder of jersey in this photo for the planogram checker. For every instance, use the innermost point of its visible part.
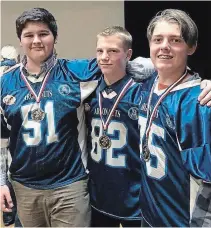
(72, 63)
(81, 69)
(12, 68)
(9, 75)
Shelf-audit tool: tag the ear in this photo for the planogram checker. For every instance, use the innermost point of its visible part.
(191, 50)
(129, 54)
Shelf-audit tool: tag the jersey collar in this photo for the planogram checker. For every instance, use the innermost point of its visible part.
(117, 86)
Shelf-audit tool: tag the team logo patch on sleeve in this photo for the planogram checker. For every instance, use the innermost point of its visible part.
(64, 90)
(9, 100)
(133, 113)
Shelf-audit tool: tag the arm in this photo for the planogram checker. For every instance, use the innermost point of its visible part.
(5, 197)
(81, 69)
(87, 69)
(143, 68)
(193, 128)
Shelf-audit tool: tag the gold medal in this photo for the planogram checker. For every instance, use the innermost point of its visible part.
(37, 114)
(105, 142)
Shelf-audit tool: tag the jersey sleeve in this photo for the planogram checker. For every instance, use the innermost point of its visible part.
(193, 127)
(87, 69)
(82, 69)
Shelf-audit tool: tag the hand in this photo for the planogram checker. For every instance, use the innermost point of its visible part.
(6, 203)
(205, 96)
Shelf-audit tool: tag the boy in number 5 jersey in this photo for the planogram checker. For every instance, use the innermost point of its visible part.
(175, 130)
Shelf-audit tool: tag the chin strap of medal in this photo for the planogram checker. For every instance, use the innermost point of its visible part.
(37, 114)
(104, 140)
(145, 147)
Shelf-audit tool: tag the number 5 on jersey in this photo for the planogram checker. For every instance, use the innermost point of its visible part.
(159, 170)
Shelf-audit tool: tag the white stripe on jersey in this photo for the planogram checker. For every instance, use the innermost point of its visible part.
(184, 85)
(178, 143)
(194, 188)
(87, 88)
(82, 134)
(110, 95)
(188, 84)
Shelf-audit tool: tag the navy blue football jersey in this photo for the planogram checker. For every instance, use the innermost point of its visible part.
(179, 143)
(50, 152)
(114, 173)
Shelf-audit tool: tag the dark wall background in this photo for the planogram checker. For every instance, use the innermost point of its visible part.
(139, 13)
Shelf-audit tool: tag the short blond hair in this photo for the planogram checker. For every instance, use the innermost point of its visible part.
(119, 31)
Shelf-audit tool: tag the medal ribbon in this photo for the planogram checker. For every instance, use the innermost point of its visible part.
(37, 98)
(167, 91)
(125, 88)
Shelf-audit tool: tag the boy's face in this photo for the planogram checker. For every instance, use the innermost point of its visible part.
(168, 50)
(37, 41)
(112, 56)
